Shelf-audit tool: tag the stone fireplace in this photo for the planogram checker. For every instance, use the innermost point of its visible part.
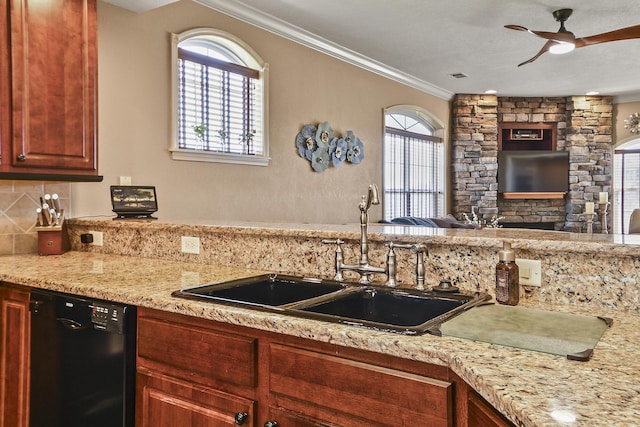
(583, 128)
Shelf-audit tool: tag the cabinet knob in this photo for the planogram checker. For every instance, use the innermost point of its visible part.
(21, 157)
(271, 424)
(241, 417)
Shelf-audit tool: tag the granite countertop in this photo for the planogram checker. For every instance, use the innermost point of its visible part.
(523, 239)
(528, 387)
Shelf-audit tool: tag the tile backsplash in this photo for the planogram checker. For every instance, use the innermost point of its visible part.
(18, 203)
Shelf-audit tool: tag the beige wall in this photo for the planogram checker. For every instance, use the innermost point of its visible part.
(305, 87)
(622, 112)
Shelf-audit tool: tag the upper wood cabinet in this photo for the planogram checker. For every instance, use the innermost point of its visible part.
(527, 136)
(48, 65)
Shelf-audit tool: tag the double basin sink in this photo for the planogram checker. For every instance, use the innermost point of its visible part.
(397, 310)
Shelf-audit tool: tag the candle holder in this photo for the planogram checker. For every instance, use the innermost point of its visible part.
(590, 223)
(603, 217)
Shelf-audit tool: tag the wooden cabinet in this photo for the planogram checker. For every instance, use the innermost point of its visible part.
(14, 356)
(481, 414)
(348, 392)
(192, 369)
(165, 401)
(516, 136)
(48, 65)
(190, 374)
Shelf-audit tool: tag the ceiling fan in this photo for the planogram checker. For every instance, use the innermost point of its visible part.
(563, 41)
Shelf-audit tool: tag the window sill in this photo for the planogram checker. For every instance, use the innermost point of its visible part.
(212, 157)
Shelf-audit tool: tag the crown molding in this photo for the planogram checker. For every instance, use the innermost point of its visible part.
(296, 34)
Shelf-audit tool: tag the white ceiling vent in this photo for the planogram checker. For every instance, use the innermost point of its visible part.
(458, 75)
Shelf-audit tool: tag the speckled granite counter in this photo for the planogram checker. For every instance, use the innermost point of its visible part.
(525, 386)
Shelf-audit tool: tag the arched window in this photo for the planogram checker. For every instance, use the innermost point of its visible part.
(626, 184)
(220, 98)
(414, 159)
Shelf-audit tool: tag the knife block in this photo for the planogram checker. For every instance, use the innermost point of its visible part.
(52, 240)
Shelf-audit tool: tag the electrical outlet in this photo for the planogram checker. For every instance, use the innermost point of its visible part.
(530, 272)
(125, 180)
(97, 238)
(190, 245)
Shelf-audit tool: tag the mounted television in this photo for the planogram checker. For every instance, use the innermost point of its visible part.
(533, 171)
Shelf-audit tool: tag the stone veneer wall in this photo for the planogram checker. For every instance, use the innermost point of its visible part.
(584, 128)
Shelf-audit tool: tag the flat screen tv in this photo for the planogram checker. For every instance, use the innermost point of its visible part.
(533, 171)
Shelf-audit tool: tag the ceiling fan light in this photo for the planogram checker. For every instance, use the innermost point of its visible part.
(560, 48)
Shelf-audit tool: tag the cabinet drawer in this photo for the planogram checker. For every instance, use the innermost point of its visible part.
(163, 401)
(195, 353)
(319, 384)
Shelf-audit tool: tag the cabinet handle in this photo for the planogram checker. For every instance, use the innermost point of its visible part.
(241, 417)
(21, 157)
(271, 424)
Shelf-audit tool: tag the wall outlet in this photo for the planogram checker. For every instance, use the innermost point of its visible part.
(530, 272)
(125, 180)
(97, 238)
(190, 245)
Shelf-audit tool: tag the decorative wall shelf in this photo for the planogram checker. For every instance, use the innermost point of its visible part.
(532, 195)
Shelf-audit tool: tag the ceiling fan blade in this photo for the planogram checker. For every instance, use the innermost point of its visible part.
(558, 37)
(544, 49)
(516, 27)
(611, 36)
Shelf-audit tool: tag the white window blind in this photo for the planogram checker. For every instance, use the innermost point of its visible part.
(220, 98)
(626, 184)
(413, 178)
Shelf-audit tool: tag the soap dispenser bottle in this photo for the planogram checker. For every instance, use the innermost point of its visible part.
(507, 276)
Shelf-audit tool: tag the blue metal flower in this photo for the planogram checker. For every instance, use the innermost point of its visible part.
(355, 151)
(305, 141)
(350, 137)
(337, 151)
(320, 159)
(324, 135)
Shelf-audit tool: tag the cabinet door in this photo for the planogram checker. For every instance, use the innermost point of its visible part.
(481, 414)
(167, 402)
(14, 357)
(345, 392)
(53, 51)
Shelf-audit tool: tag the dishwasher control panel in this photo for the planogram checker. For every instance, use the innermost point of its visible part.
(107, 317)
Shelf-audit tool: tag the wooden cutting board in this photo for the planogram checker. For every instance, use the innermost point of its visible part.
(571, 335)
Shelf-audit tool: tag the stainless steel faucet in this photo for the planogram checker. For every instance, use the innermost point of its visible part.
(363, 267)
(371, 198)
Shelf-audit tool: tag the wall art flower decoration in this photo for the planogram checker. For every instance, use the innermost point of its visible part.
(322, 147)
(633, 123)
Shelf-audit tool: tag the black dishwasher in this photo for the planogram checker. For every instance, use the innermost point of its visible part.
(82, 362)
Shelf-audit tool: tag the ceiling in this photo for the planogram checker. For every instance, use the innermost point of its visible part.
(423, 42)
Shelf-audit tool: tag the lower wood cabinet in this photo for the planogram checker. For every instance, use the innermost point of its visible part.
(195, 372)
(14, 356)
(481, 414)
(164, 401)
(355, 393)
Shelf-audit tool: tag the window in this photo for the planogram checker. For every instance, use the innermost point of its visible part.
(626, 184)
(413, 165)
(220, 99)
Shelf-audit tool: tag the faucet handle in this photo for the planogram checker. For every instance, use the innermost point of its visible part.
(339, 259)
(419, 249)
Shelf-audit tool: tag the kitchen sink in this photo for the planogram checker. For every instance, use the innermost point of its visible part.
(403, 311)
(393, 309)
(268, 290)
